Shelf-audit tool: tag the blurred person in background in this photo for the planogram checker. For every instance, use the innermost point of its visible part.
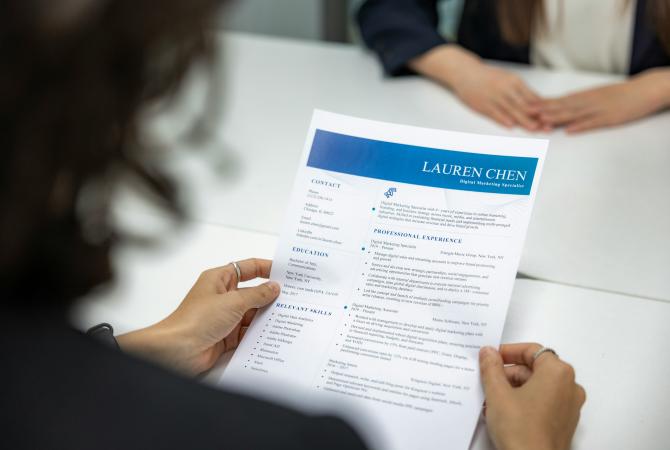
(626, 37)
(74, 83)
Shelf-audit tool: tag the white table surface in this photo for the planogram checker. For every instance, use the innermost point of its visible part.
(617, 343)
(602, 215)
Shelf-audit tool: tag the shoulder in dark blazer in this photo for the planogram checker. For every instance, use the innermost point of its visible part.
(400, 30)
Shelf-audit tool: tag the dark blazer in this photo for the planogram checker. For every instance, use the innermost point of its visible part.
(400, 30)
(60, 389)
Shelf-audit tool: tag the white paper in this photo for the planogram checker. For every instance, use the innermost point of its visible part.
(396, 264)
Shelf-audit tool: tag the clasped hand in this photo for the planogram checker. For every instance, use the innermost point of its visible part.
(506, 98)
(509, 101)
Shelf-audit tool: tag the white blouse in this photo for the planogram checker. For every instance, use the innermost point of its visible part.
(594, 35)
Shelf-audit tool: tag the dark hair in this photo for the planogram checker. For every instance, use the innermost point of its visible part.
(518, 17)
(74, 78)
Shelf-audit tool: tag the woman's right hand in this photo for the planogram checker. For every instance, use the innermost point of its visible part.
(530, 404)
(494, 92)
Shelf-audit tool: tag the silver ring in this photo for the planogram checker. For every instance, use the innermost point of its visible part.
(237, 271)
(543, 350)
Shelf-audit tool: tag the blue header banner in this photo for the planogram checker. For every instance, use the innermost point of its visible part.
(422, 166)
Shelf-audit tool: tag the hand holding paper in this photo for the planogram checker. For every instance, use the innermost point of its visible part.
(396, 261)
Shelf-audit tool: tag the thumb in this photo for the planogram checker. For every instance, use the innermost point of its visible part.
(492, 372)
(254, 297)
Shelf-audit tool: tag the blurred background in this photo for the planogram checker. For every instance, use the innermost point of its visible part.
(326, 20)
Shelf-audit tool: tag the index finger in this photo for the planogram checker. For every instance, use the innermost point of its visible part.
(528, 94)
(225, 277)
(574, 101)
(521, 353)
(551, 105)
(254, 268)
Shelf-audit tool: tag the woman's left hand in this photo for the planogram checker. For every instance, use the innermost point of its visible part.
(210, 321)
(608, 106)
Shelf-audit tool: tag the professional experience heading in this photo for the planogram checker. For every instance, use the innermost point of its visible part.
(423, 237)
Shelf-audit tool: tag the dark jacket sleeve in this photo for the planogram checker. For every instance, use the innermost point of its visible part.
(399, 30)
(97, 397)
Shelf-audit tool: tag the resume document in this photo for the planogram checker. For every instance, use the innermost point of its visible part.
(396, 260)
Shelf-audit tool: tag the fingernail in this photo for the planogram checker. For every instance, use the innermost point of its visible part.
(486, 351)
(274, 286)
